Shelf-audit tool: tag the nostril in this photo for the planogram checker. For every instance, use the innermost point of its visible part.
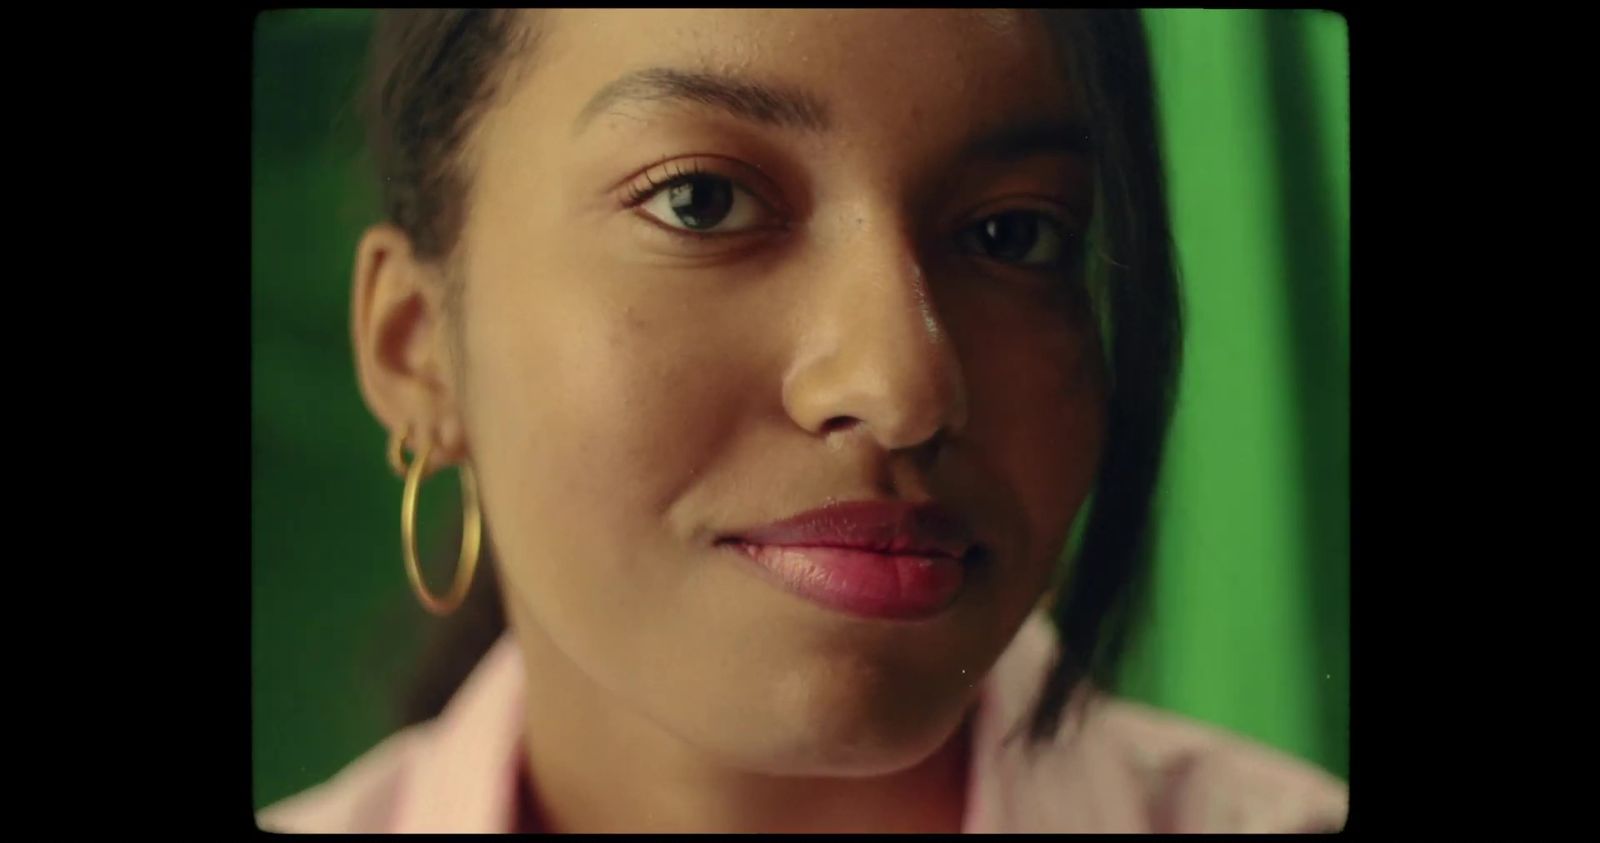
(838, 423)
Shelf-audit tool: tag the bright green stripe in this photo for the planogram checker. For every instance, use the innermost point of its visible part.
(1233, 638)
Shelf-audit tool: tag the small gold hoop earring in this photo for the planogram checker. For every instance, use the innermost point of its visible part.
(471, 526)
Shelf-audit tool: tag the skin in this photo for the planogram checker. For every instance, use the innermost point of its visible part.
(627, 395)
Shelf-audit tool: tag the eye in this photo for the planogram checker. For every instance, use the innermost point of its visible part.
(1024, 238)
(701, 203)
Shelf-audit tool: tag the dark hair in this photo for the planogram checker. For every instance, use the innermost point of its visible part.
(1109, 64)
(432, 72)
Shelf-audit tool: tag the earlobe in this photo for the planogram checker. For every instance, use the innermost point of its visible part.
(396, 319)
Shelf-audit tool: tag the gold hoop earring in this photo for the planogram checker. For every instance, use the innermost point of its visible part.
(471, 527)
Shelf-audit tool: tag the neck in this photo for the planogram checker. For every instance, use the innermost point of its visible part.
(595, 767)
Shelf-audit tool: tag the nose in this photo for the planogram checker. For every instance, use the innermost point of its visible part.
(874, 353)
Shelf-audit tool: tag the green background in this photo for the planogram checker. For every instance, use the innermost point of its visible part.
(1248, 625)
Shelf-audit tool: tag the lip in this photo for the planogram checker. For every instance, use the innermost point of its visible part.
(890, 527)
(880, 559)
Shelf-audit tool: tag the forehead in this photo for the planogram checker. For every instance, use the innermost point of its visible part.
(865, 66)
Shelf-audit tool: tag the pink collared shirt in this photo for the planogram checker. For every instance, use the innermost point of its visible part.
(1117, 767)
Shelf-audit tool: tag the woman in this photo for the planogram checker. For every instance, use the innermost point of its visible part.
(780, 353)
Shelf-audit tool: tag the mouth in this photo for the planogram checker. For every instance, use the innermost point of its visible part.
(874, 559)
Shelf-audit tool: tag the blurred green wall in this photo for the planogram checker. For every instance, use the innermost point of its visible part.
(1248, 625)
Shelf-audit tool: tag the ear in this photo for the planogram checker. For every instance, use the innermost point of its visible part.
(401, 336)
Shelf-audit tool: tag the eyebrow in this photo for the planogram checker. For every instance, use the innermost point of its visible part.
(787, 108)
(1018, 141)
(766, 104)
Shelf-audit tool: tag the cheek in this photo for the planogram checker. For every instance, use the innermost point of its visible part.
(587, 416)
(1037, 395)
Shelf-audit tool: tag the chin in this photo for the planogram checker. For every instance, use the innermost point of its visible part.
(882, 753)
(846, 730)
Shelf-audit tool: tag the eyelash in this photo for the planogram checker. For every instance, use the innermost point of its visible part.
(638, 194)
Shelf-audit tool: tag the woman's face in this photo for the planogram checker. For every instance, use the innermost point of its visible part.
(856, 294)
